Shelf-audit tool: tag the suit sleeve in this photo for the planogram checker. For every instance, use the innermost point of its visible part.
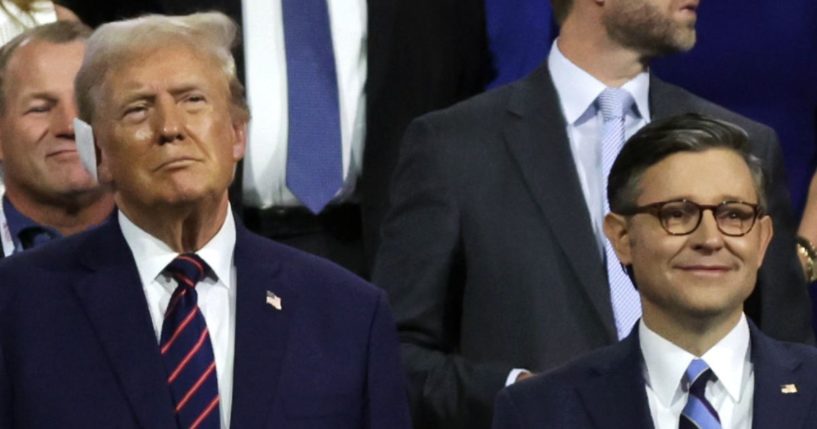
(387, 403)
(505, 413)
(782, 296)
(421, 266)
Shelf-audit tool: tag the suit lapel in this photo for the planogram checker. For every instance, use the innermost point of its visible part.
(536, 137)
(615, 396)
(783, 395)
(261, 331)
(112, 297)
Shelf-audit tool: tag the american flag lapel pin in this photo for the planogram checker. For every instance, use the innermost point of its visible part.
(273, 300)
(788, 388)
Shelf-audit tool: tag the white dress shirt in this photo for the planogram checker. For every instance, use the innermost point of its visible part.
(731, 395)
(216, 297)
(266, 80)
(578, 91)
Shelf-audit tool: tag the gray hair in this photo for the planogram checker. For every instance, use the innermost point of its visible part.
(212, 34)
(60, 32)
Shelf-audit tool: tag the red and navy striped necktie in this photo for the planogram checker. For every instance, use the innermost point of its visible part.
(186, 349)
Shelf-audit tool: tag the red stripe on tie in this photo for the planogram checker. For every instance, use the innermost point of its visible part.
(172, 306)
(205, 413)
(185, 280)
(187, 358)
(179, 330)
(192, 261)
(195, 387)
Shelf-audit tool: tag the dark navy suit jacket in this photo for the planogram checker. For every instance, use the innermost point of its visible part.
(605, 389)
(78, 350)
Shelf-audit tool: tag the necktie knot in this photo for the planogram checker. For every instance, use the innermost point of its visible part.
(614, 102)
(188, 269)
(697, 375)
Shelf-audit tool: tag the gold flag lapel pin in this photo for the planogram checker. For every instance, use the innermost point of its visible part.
(788, 388)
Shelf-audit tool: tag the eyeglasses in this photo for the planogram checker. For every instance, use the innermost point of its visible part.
(682, 217)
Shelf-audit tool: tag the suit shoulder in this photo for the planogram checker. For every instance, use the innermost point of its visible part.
(474, 110)
(313, 274)
(614, 360)
(560, 379)
(806, 353)
(706, 107)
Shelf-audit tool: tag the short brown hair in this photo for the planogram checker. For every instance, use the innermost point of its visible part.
(690, 132)
(59, 32)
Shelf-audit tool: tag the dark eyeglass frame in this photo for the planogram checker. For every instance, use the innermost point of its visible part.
(655, 209)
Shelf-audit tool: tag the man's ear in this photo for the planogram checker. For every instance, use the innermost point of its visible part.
(617, 232)
(240, 141)
(766, 229)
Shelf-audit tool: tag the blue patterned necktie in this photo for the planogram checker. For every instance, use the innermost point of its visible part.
(314, 171)
(698, 413)
(186, 349)
(614, 103)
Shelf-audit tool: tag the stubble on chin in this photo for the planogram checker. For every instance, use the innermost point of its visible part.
(643, 27)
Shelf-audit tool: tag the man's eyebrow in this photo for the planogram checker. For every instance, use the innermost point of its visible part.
(137, 94)
(185, 88)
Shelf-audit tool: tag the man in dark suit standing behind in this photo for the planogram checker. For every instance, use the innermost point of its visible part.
(173, 315)
(493, 253)
(688, 221)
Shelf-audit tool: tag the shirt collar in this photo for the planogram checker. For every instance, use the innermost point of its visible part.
(17, 222)
(665, 362)
(152, 255)
(578, 89)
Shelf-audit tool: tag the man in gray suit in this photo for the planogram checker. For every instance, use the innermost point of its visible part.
(493, 253)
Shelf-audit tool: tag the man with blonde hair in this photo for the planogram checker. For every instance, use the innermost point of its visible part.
(173, 315)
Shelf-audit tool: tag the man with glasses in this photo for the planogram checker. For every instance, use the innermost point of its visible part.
(688, 224)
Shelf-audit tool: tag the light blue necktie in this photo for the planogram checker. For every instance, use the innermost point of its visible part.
(614, 103)
(314, 161)
(698, 413)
